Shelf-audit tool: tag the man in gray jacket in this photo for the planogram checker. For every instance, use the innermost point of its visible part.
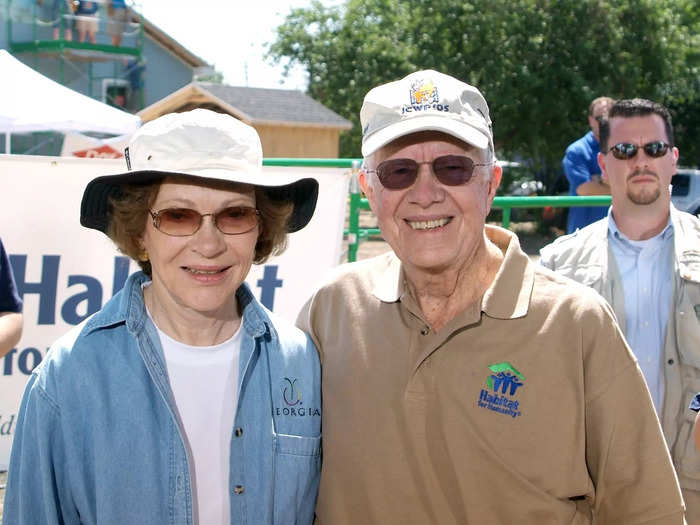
(644, 258)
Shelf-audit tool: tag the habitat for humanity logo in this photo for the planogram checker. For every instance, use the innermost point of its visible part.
(501, 387)
(293, 404)
(424, 95)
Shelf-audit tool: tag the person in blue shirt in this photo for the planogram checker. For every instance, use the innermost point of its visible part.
(581, 168)
(10, 306)
(86, 20)
(183, 400)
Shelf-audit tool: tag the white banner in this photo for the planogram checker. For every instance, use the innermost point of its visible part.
(65, 272)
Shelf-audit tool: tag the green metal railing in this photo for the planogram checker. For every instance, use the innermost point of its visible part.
(354, 234)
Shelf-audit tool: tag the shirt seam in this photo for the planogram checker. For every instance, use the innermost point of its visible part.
(52, 404)
(609, 385)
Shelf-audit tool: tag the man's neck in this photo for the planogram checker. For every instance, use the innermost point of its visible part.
(639, 223)
(443, 295)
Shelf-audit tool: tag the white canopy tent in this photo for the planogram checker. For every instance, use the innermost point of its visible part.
(30, 102)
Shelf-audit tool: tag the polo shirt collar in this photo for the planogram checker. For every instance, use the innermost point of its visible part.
(508, 297)
(391, 284)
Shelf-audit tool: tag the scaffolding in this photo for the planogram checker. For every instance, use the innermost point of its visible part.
(94, 47)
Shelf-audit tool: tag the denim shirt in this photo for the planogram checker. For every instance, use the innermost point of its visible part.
(98, 439)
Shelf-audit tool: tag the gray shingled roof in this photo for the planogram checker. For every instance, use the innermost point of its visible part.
(276, 105)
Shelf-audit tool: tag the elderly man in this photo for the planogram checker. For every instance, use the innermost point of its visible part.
(580, 165)
(644, 258)
(462, 383)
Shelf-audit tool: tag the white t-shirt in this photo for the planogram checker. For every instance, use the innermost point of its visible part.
(204, 381)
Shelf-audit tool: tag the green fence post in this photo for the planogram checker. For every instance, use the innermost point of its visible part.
(506, 218)
(354, 217)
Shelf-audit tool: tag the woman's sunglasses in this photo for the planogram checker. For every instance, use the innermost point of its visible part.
(450, 170)
(181, 222)
(627, 150)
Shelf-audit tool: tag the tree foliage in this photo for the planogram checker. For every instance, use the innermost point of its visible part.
(539, 63)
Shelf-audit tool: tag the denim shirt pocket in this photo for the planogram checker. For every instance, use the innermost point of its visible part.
(297, 475)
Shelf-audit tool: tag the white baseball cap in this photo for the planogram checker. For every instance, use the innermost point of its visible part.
(424, 101)
(201, 144)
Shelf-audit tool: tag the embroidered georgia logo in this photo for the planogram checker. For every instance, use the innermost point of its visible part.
(290, 392)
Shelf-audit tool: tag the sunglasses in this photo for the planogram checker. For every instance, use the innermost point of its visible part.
(181, 222)
(450, 170)
(626, 150)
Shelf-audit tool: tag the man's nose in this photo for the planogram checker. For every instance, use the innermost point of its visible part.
(427, 189)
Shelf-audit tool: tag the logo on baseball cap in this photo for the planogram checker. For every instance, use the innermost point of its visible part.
(423, 101)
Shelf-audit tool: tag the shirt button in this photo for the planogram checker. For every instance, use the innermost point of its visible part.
(238, 489)
(425, 330)
(239, 432)
(670, 361)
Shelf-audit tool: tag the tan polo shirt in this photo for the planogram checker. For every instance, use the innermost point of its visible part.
(529, 409)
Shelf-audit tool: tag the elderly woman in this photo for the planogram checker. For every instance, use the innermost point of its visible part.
(183, 400)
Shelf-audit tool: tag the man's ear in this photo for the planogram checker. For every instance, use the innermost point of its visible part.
(603, 168)
(495, 182)
(365, 184)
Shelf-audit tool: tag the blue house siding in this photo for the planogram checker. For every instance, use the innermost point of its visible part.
(164, 72)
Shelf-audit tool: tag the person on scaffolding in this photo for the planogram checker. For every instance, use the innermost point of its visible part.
(118, 17)
(86, 20)
(53, 14)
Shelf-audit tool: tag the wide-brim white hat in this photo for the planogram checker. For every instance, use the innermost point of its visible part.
(203, 145)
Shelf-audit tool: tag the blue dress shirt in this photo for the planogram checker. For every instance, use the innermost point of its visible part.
(580, 163)
(646, 271)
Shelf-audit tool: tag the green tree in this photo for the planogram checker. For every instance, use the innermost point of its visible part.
(538, 62)
(346, 51)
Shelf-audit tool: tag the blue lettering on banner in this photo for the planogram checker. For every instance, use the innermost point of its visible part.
(92, 294)
(267, 285)
(47, 288)
(6, 425)
(27, 360)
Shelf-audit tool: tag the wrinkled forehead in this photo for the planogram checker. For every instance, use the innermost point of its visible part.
(422, 142)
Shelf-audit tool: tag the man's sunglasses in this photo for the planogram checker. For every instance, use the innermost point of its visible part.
(181, 222)
(627, 150)
(450, 170)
